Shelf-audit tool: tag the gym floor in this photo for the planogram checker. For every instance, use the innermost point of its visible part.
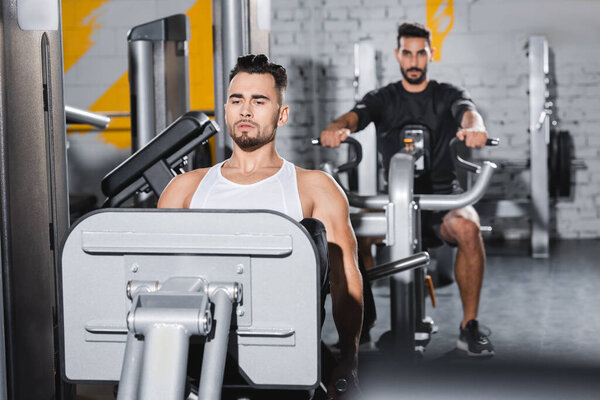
(545, 320)
(544, 315)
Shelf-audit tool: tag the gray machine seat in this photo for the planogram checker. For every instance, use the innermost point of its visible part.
(275, 325)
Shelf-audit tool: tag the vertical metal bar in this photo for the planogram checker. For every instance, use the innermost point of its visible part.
(233, 42)
(218, 80)
(165, 363)
(539, 136)
(215, 350)
(130, 374)
(402, 285)
(141, 76)
(31, 234)
(3, 363)
(365, 80)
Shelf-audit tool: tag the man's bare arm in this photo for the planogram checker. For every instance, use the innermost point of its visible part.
(337, 131)
(331, 208)
(472, 129)
(180, 190)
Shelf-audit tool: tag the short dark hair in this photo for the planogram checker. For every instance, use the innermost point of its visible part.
(414, 29)
(260, 64)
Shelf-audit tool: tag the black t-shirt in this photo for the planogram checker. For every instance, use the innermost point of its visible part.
(440, 107)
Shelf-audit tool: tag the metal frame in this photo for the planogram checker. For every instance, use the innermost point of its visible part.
(365, 80)
(539, 128)
(158, 273)
(400, 227)
(238, 31)
(158, 76)
(33, 172)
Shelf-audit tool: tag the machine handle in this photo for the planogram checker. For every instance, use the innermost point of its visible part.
(405, 264)
(444, 202)
(78, 116)
(354, 144)
(461, 162)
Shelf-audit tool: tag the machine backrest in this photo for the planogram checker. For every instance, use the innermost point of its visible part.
(276, 339)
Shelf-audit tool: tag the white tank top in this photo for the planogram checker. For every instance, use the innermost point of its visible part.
(278, 192)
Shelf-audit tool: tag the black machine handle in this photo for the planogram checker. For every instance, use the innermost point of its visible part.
(357, 149)
(461, 162)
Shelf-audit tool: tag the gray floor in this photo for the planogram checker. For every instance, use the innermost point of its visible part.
(545, 320)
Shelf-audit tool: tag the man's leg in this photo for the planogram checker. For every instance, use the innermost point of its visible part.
(461, 227)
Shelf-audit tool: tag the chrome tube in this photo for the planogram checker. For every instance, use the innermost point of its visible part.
(438, 202)
(79, 116)
(406, 264)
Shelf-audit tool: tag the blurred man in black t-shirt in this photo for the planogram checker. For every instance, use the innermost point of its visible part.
(446, 111)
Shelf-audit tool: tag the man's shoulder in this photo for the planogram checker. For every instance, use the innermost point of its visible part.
(180, 190)
(324, 196)
(445, 87)
(318, 185)
(191, 178)
(390, 88)
(311, 177)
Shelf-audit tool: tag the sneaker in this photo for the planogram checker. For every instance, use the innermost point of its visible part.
(475, 342)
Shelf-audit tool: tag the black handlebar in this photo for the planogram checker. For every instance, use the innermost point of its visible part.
(461, 162)
(355, 145)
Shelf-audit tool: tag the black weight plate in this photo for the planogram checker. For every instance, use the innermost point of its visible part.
(553, 174)
(564, 145)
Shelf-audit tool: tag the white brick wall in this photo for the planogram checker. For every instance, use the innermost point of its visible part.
(483, 53)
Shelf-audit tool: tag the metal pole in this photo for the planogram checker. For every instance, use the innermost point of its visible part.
(365, 80)
(165, 363)
(141, 78)
(32, 172)
(539, 128)
(232, 41)
(130, 374)
(215, 350)
(409, 263)
(402, 285)
(79, 116)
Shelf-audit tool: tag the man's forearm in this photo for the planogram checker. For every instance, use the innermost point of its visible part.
(346, 121)
(347, 308)
(346, 301)
(472, 120)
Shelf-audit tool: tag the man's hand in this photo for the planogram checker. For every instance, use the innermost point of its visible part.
(343, 382)
(473, 137)
(333, 136)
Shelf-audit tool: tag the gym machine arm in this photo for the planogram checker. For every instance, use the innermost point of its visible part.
(374, 225)
(473, 195)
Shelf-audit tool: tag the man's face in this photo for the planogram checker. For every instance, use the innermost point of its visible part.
(253, 110)
(413, 55)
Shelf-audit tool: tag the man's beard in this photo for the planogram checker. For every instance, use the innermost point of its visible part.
(246, 142)
(416, 81)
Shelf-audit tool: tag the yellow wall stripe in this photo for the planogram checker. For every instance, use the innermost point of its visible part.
(440, 19)
(79, 23)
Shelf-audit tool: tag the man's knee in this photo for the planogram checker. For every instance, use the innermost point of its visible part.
(461, 230)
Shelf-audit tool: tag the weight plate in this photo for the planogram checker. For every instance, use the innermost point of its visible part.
(564, 163)
(553, 174)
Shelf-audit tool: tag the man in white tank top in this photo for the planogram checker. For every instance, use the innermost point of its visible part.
(256, 177)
